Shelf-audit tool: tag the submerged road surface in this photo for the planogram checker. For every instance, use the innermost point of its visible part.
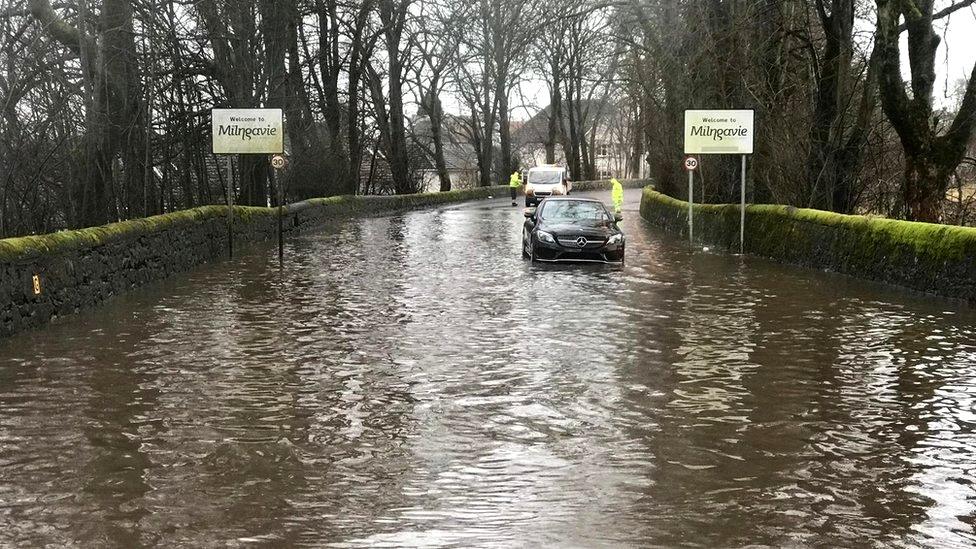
(411, 381)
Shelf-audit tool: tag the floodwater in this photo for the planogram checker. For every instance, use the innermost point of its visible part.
(411, 381)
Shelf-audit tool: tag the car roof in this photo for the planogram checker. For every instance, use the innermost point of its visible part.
(573, 198)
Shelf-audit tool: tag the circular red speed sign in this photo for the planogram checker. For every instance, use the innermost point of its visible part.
(691, 163)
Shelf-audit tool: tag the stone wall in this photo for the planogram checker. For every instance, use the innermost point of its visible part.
(81, 268)
(938, 259)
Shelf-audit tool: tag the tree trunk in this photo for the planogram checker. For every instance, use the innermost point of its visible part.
(352, 126)
(555, 130)
(398, 158)
(432, 106)
(572, 144)
(484, 151)
(925, 188)
(504, 131)
(360, 48)
(125, 106)
(113, 108)
(826, 132)
(329, 64)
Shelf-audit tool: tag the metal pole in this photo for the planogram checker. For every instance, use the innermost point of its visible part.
(281, 213)
(691, 207)
(230, 207)
(742, 209)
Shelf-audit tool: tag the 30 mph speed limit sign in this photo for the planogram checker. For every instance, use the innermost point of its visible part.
(691, 163)
(277, 161)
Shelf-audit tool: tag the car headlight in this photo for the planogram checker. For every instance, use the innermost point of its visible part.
(616, 239)
(545, 237)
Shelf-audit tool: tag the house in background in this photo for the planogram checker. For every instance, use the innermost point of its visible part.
(608, 142)
(460, 156)
(462, 167)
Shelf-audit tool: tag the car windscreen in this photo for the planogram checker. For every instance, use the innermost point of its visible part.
(569, 211)
(548, 177)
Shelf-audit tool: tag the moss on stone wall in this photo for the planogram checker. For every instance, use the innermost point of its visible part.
(924, 256)
(12, 249)
(81, 268)
(16, 249)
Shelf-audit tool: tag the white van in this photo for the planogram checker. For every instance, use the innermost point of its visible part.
(543, 181)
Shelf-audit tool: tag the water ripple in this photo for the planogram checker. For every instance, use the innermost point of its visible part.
(410, 381)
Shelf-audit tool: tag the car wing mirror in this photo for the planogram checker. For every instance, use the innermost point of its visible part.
(618, 216)
(529, 212)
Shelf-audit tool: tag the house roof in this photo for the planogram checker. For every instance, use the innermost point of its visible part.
(536, 129)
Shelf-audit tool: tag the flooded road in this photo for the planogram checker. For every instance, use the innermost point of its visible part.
(411, 381)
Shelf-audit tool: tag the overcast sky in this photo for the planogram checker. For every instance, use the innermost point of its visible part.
(957, 52)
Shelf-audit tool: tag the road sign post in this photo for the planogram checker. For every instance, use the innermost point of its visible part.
(277, 164)
(722, 131)
(691, 164)
(230, 207)
(742, 209)
(244, 131)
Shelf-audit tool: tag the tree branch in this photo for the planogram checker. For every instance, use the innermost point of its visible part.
(965, 122)
(945, 12)
(822, 12)
(57, 27)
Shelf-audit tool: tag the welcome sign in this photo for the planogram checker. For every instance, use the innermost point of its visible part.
(247, 131)
(720, 131)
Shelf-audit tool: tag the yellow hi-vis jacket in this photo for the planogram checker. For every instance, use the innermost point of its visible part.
(617, 194)
(515, 180)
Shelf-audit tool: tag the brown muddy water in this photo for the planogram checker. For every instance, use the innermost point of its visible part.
(411, 381)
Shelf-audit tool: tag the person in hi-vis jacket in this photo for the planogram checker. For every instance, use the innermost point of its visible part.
(514, 183)
(617, 195)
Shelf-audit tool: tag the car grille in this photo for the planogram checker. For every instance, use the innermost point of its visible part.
(546, 254)
(591, 242)
(543, 193)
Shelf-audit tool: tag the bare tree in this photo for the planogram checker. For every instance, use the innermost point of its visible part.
(113, 105)
(836, 146)
(437, 49)
(931, 155)
(104, 103)
(387, 92)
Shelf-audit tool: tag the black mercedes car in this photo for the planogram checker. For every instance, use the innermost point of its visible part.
(572, 229)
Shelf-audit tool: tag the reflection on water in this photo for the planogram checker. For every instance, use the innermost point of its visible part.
(409, 380)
